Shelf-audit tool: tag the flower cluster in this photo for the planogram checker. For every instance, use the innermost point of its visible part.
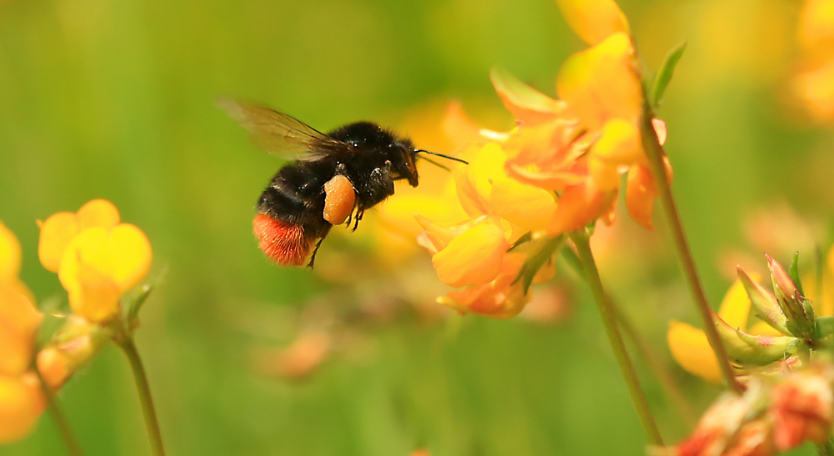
(814, 85)
(97, 260)
(769, 417)
(559, 170)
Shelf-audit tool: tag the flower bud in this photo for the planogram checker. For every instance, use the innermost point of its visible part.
(764, 302)
(798, 312)
(747, 349)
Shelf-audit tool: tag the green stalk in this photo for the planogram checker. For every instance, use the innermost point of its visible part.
(70, 441)
(609, 321)
(144, 390)
(655, 364)
(654, 151)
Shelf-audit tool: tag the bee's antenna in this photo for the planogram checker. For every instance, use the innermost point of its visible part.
(441, 155)
(436, 164)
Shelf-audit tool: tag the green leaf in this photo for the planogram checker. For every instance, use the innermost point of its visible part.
(793, 271)
(664, 74)
(537, 261)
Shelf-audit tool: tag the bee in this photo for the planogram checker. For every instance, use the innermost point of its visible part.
(337, 177)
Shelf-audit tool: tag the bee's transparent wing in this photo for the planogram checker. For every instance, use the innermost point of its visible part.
(279, 133)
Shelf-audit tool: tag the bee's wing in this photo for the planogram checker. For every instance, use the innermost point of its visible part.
(279, 133)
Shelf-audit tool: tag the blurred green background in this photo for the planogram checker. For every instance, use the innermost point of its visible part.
(114, 99)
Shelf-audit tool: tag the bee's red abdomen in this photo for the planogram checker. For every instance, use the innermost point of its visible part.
(283, 243)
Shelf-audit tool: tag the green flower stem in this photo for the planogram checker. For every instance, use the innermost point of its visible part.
(609, 320)
(655, 364)
(70, 441)
(151, 422)
(655, 154)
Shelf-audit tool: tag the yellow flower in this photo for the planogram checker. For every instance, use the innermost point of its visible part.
(593, 20)
(690, 346)
(581, 144)
(498, 298)
(814, 85)
(61, 228)
(21, 401)
(101, 264)
(21, 404)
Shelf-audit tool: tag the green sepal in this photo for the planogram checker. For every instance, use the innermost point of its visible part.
(135, 301)
(793, 271)
(823, 327)
(537, 260)
(664, 74)
(747, 349)
(765, 303)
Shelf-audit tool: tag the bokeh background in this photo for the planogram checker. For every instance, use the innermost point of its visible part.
(114, 99)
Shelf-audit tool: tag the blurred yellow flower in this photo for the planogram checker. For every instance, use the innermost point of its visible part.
(690, 346)
(61, 228)
(593, 20)
(21, 400)
(99, 265)
(21, 404)
(814, 85)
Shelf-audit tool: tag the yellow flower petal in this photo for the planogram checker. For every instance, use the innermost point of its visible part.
(529, 207)
(619, 144)
(602, 83)
(524, 102)
(763, 329)
(98, 212)
(735, 307)
(10, 254)
(593, 20)
(19, 319)
(692, 351)
(578, 206)
(640, 195)
(501, 298)
(474, 257)
(56, 233)
(100, 264)
(474, 182)
(61, 228)
(21, 403)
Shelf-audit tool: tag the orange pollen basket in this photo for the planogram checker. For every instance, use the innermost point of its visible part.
(283, 243)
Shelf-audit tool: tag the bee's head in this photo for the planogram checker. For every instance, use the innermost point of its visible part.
(405, 161)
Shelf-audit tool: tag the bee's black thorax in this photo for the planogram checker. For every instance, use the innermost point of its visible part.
(372, 159)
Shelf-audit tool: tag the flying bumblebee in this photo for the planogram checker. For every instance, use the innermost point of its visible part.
(339, 176)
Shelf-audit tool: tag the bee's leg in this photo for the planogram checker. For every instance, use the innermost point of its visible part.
(359, 215)
(315, 251)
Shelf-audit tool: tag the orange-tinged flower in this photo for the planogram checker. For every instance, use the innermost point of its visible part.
(10, 254)
(473, 257)
(19, 320)
(593, 20)
(753, 439)
(602, 83)
(802, 410)
(499, 298)
(716, 427)
(99, 265)
(21, 404)
(61, 228)
(580, 205)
